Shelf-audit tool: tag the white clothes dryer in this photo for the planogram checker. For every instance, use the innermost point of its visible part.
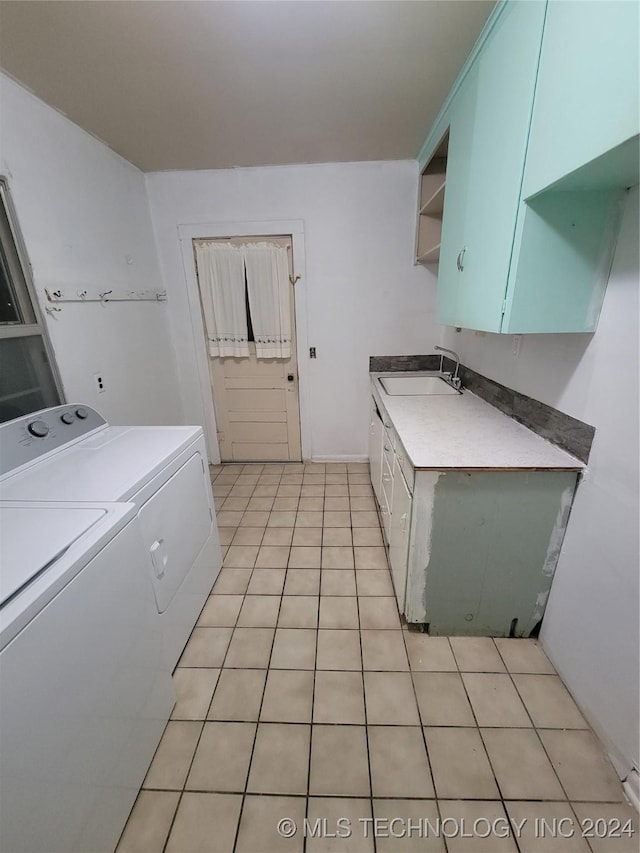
(70, 453)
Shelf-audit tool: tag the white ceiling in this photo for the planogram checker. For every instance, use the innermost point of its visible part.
(212, 85)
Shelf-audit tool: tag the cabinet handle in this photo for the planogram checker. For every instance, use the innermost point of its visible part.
(386, 478)
(388, 449)
(460, 259)
(403, 522)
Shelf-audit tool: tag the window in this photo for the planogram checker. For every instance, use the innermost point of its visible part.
(28, 377)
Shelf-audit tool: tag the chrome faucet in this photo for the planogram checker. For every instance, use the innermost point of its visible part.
(454, 380)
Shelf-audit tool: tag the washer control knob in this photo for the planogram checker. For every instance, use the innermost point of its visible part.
(38, 428)
(67, 417)
(82, 413)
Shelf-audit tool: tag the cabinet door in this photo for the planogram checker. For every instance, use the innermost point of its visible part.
(399, 530)
(376, 434)
(587, 93)
(455, 198)
(507, 70)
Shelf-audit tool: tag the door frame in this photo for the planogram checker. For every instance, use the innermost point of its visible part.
(274, 228)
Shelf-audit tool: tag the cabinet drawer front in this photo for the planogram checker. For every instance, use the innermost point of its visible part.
(405, 466)
(387, 482)
(376, 434)
(388, 450)
(385, 507)
(399, 534)
(390, 436)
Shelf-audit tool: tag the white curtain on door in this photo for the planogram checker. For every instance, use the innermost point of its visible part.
(222, 285)
(269, 288)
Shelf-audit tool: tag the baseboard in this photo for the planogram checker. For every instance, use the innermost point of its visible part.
(357, 458)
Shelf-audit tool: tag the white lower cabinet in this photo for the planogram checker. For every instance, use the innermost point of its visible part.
(472, 552)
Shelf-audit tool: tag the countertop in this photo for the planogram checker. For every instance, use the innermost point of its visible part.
(461, 431)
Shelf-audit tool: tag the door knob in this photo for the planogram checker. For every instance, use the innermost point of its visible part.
(290, 377)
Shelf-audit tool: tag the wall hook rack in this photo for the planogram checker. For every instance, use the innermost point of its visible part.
(105, 296)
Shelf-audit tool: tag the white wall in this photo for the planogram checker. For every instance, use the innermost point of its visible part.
(82, 209)
(590, 630)
(364, 296)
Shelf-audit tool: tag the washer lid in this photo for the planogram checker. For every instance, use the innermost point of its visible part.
(32, 538)
(112, 464)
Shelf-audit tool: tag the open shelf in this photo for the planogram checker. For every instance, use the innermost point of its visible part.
(434, 204)
(429, 237)
(431, 206)
(431, 256)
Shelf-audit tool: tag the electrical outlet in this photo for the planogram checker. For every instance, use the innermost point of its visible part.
(312, 352)
(99, 380)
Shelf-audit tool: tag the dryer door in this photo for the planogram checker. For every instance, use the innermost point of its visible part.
(176, 522)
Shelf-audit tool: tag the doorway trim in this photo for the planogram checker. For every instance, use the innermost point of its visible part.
(268, 228)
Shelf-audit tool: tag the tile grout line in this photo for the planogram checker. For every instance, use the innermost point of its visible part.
(535, 728)
(211, 702)
(264, 687)
(364, 702)
(255, 736)
(484, 746)
(313, 703)
(422, 727)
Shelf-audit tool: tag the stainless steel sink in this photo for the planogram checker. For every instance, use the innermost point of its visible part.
(416, 386)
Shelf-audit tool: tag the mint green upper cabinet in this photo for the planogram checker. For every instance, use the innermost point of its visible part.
(489, 125)
(506, 76)
(587, 98)
(543, 142)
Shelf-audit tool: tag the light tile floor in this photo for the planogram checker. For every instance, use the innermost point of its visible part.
(300, 694)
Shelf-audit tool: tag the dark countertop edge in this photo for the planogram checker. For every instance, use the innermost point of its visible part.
(487, 469)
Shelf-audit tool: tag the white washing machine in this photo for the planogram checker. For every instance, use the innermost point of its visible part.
(70, 453)
(84, 692)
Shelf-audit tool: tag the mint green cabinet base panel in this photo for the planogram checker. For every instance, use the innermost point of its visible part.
(495, 541)
(587, 96)
(566, 247)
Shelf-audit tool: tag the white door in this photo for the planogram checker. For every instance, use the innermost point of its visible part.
(256, 400)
